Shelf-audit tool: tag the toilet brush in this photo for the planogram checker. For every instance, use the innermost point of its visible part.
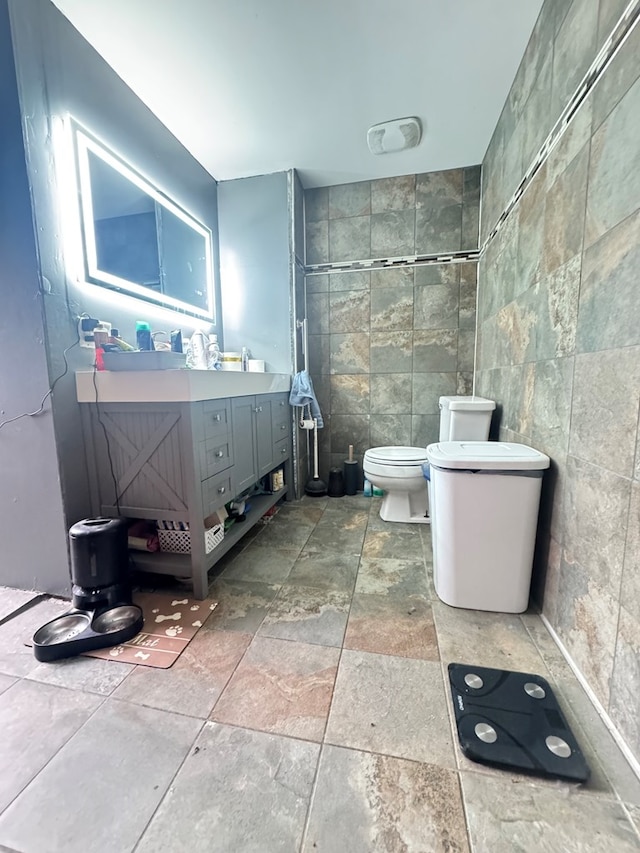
(315, 487)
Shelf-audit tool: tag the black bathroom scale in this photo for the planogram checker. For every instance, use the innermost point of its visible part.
(513, 720)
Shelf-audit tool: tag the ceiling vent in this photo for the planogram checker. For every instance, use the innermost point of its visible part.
(394, 135)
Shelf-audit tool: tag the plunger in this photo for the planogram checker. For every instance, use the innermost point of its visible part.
(315, 488)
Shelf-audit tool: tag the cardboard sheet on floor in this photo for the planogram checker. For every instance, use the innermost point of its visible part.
(170, 623)
(513, 720)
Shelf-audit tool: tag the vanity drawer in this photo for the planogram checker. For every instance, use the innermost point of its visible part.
(216, 418)
(281, 450)
(216, 491)
(216, 454)
(280, 417)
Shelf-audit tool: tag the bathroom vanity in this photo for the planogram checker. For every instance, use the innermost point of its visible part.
(177, 445)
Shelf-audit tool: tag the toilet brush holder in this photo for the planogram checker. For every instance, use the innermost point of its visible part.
(351, 473)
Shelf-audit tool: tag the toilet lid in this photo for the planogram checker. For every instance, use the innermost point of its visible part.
(397, 455)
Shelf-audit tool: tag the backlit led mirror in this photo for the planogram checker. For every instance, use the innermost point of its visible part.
(138, 241)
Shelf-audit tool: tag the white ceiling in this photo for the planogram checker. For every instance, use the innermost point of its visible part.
(258, 86)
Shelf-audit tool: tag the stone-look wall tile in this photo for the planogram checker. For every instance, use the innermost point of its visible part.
(609, 14)
(316, 205)
(427, 390)
(349, 311)
(391, 393)
(393, 194)
(491, 202)
(557, 299)
(350, 394)
(436, 307)
(574, 50)
(625, 682)
(534, 57)
(630, 594)
(552, 406)
(319, 354)
(497, 280)
(468, 292)
(395, 278)
(349, 353)
(608, 295)
(471, 181)
(470, 226)
(464, 383)
(391, 352)
(350, 429)
(359, 280)
(518, 384)
(466, 350)
(436, 351)
(614, 168)
(438, 229)
(439, 189)
(391, 309)
(536, 115)
(388, 430)
(437, 274)
(604, 415)
(347, 200)
(316, 283)
(392, 233)
(571, 142)
(620, 75)
(530, 233)
(565, 213)
(425, 430)
(350, 239)
(593, 493)
(517, 324)
(322, 387)
(318, 313)
(317, 242)
(512, 169)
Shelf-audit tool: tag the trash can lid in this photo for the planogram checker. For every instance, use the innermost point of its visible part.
(467, 404)
(486, 455)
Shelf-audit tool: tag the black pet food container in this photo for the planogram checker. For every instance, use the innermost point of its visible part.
(99, 552)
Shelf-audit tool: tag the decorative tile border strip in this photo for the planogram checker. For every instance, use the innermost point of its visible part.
(463, 257)
(620, 33)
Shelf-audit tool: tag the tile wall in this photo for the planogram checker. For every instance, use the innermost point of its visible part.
(386, 344)
(559, 335)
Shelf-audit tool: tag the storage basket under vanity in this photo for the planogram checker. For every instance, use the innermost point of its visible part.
(179, 541)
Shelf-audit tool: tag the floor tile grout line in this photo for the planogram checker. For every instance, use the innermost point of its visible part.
(61, 747)
(187, 755)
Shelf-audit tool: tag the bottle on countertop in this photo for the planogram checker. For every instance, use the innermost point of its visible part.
(245, 358)
(197, 356)
(214, 356)
(114, 338)
(144, 340)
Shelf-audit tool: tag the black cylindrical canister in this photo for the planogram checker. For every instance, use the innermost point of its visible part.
(335, 488)
(99, 553)
(351, 476)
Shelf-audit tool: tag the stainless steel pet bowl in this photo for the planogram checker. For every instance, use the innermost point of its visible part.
(62, 629)
(117, 619)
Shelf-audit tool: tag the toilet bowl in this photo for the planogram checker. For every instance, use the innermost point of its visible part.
(398, 471)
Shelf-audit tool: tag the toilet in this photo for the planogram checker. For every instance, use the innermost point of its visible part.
(398, 470)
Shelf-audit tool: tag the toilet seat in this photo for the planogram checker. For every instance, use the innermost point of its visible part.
(396, 456)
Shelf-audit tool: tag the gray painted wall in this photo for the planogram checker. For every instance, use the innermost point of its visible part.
(33, 527)
(255, 268)
(59, 73)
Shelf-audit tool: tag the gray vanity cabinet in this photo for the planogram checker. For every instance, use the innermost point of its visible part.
(181, 462)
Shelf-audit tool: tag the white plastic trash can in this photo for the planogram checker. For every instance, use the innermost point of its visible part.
(484, 499)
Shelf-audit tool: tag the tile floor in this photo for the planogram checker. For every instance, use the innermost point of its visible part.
(308, 714)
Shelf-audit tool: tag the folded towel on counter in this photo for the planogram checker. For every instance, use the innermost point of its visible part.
(302, 394)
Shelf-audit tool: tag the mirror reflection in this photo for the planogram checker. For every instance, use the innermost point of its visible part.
(136, 239)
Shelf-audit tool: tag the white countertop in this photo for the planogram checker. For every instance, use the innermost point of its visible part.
(174, 386)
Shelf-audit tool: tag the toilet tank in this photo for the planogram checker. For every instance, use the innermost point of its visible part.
(465, 418)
